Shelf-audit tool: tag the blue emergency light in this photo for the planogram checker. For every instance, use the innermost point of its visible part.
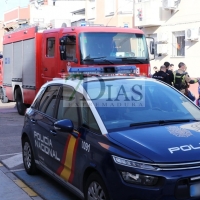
(83, 24)
(103, 70)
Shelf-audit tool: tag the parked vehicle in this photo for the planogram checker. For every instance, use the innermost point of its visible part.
(115, 137)
(32, 58)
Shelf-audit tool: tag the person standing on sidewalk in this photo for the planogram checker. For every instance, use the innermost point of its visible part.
(170, 73)
(155, 69)
(162, 75)
(171, 67)
(182, 80)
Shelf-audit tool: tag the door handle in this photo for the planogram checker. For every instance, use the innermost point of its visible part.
(53, 132)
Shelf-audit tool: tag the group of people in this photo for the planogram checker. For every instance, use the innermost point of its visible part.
(165, 73)
(179, 79)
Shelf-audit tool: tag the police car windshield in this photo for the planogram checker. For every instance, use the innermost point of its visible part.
(123, 102)
(113, 47)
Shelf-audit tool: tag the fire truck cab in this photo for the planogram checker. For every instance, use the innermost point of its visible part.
(32, 58)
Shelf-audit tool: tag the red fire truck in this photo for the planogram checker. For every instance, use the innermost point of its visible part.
(31, 57)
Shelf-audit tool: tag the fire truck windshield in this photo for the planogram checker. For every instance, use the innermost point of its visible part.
(124, 48)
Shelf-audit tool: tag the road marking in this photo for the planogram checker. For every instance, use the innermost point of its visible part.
(13, 161)
(30, 192)
(11, 154)
(24, 187)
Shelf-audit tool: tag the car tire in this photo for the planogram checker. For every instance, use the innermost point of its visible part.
(95, 188)
(21, 107)
(28, 157)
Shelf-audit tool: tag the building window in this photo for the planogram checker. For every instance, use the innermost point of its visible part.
(50, 49)
(109, 7)
(178, 43)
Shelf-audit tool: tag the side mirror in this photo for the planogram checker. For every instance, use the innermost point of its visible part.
(152, 47)
(63, 52)
(63, 42)
(65, 125)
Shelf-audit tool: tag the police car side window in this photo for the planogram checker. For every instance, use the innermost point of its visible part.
(87, 117)
(67, 108)
(47, 103)
(37, 99)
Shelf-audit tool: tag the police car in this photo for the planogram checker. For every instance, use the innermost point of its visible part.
(114, 137)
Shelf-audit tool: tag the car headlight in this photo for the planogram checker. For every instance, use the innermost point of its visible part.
(139, 178)
(134, 164)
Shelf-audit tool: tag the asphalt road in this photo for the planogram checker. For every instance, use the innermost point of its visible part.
(11, 124)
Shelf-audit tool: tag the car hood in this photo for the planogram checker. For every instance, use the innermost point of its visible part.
(167, 144)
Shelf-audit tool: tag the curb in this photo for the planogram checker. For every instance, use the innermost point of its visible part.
(30, 192)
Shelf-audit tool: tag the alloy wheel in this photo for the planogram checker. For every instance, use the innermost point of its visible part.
(27, 155)
(95, 192)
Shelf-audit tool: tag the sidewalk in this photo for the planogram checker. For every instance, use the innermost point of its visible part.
(13, 188)
(8, 107)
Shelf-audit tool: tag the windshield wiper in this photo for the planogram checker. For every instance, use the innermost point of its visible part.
(163, 122)
(133, 59)
(101, 58)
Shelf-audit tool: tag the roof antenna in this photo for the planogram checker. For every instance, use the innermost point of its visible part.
(130, 1)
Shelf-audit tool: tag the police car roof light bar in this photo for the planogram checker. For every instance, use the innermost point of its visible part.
(103, 70)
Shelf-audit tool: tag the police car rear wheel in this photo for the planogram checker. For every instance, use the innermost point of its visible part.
(28, 158)
(95, 188)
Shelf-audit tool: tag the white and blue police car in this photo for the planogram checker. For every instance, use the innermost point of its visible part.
(107, 135)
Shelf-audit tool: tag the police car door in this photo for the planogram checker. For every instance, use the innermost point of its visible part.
(43, 126)
(65, 143)
(89, 138)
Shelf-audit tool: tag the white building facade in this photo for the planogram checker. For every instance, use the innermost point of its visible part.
(175, 25)
(55, 13)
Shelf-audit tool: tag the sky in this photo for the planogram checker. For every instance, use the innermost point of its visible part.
(6, 5)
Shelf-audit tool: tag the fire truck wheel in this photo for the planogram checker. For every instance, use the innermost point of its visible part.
(21, 107)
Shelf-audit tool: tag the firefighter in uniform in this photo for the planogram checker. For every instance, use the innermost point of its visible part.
(182, 80)
(162, 75)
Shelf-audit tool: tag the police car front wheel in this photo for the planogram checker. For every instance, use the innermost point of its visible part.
(28, 158)
(95, 188)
